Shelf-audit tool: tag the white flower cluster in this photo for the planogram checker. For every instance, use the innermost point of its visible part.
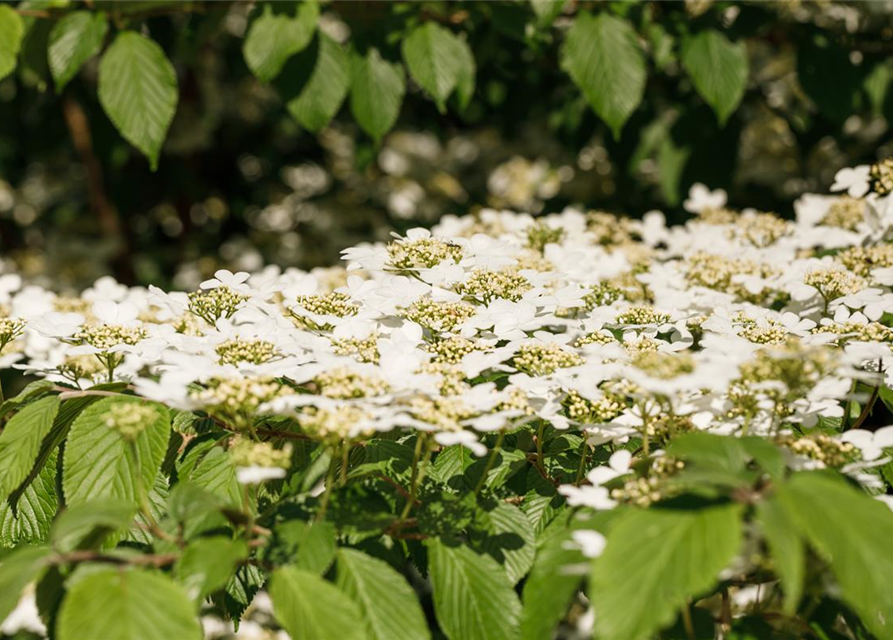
(738, 322)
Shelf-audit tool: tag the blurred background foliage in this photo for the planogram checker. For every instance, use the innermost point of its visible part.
(803, 89)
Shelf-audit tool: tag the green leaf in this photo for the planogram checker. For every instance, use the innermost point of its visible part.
(603, 57)
(12, 29)
(308, 546)
(87, 525)
(709, 450)
(718, 69)
(309, 607)
(32, 517)
(508, 538)
(207, 564)
(376, 92)
(74, 39)
(31, 391)
(17, 571)
(547, 10)
(100, 463)
(388, 603)
(876, 84)
(138, 91)
(315, 83)
(279, 32)
(127, 605)
(20, 442)
(429, 53)
(465, 81)
(552, 583)
(473, 598)
(655, 560)
(787, 548)
(852, 533)
(216, 474)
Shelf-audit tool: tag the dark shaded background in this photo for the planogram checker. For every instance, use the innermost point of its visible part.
(241, 185)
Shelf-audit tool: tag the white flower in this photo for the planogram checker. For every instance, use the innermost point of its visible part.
(590, 543)
(854, 181)
(871, 444)
(225, 278)
(258, 475)
(700, 198)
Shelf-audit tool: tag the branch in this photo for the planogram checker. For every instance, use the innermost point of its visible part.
(159, 560)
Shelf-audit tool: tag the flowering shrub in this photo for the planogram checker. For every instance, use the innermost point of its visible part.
(504, 428)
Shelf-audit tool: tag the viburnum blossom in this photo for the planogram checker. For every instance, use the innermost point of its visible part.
(573, 336)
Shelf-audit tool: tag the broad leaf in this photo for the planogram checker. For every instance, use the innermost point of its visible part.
(100, 463)
(138, 91)
(74, 39)
(787, 549)
(429, 53)
(552, 583)
(388, 603)
(654, 561)
(852, 532)
(309, 607)
(88, 525)
(508, 537)
(547, 10)
(12, 30)
(32, 517)
(207, 564)
(17, 571)
(376, 92)
(127, 605)
(279, 32)
(718, 69)
(603, 57)
(315, 83)
(20, 442)
(308, 546)
(473, 598)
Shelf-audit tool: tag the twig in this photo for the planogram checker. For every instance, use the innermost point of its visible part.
(158, 560)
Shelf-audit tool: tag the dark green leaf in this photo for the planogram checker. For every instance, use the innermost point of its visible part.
(87, 525)
(208, 563)
(787, 548)
(17, 571)
(429, 53)
(718, 69)
(315, 83)
(20, 442)
(32, 517)
(507, 536)
(280, 31)
(603, 57)
(138, 91)
(74, 39)
(11, 32)
(376, 92)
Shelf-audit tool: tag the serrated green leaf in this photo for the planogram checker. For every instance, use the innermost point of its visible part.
(127, 605)
(73, 40)
(473, 598)
(718, 69)
(100, 463)
(138, 91)
(12, 29)
(17, 571)
(280, 31)
(787, 549)
(655, 560)
(315, 82)
(32, 391)
(308, 546)
(429, 54)
(376, 92)
(32, 517)
(603, 57)
(508, 537)
(216, 474)
(852, 533)
(309, 607)
(207, 564)
(709, 450)
(20, 442)
(386, 600)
